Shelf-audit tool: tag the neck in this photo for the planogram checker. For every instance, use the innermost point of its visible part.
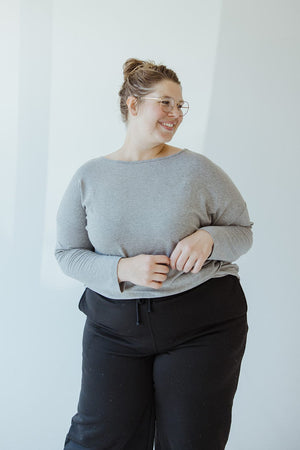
(137, 150)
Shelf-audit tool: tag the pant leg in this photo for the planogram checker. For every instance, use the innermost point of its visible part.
(115, 409)
(195, 384)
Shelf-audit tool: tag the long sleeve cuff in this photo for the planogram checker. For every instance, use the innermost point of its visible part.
(97, 272)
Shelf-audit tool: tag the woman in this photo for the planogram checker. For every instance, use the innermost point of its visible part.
(152, 231)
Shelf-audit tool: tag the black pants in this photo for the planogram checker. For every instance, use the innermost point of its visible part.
(163, 369)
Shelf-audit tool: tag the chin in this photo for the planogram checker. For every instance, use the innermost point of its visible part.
(166, 137)
(169, 138)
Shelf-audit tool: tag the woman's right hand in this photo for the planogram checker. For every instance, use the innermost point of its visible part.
(144, 270)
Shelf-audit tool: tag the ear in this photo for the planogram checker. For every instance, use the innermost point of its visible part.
(132, 104)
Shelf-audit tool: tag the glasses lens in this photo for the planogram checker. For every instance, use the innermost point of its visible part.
(168, 104)
(183, 108)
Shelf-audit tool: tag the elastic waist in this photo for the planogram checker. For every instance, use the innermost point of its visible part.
(107, 311)
(164, 297)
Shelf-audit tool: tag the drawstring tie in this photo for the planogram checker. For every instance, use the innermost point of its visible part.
(138, 302)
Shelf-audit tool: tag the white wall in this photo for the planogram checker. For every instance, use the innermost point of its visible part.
(61, 69)
(253, 132)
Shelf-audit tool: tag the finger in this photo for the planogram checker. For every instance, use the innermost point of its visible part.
(198, 265)
(190, 263)
(158, 277)
(174, 256)
(161, 268)
(181, 261)
(161, 259)
(155, 285)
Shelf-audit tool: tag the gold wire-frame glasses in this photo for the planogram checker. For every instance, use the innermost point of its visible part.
(168, 103)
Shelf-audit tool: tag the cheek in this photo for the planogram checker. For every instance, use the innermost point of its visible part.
(179, 123)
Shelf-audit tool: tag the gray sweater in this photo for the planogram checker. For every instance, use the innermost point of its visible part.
(113, 209)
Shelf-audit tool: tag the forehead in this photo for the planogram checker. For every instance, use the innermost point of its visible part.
(168, 88)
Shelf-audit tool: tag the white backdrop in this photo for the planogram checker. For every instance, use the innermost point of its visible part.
(61, 69)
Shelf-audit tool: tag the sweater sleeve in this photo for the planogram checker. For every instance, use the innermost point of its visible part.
(230, 228)
(231, 241)
(74, 251)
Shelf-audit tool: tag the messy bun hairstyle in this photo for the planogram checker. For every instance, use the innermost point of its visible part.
(140, 78)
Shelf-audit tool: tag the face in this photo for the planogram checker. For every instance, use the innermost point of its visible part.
(158, 125)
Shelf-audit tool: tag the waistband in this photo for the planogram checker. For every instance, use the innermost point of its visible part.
(94, 305)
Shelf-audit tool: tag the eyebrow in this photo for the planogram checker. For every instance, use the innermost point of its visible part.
(169, 96)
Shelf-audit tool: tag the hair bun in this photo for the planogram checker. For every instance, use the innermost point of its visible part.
(133, 64)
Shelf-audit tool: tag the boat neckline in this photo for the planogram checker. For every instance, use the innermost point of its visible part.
(143, 160)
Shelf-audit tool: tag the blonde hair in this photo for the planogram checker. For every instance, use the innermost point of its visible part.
(140, 78)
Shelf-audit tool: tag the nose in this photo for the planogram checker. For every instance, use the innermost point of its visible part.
(175, 112)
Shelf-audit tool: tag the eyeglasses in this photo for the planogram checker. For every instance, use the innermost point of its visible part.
(167, 104)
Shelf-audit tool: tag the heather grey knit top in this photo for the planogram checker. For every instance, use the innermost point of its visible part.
(113, 209)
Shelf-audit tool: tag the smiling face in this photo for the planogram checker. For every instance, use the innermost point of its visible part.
(155, 124)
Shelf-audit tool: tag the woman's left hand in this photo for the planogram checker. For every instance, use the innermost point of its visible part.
(190, 253)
